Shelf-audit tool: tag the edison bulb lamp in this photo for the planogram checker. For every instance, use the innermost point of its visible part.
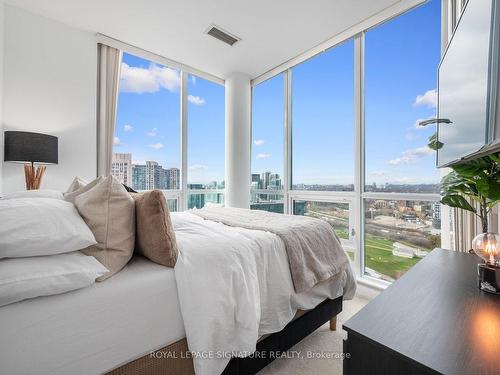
(487, 246)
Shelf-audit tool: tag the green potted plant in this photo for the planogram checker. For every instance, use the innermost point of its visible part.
(478, 180)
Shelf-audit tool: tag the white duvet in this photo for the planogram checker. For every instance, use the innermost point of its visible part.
(234, 285)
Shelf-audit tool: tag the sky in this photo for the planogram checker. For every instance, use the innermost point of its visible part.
(148, 119)
(402, 56)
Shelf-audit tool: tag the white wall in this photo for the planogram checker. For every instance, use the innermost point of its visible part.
(238, 140)
(50, 87)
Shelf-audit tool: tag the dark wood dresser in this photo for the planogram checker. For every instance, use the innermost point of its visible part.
(433, 320)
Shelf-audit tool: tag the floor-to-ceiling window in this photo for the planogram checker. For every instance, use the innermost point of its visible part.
(354, 152)
(267, 145)
(148, 150)
(401, 60)
(322, 121)
(205, 142)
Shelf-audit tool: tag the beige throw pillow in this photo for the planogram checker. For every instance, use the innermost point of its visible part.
(71, 196)
(76, 184)
(155, 236)
(108, 209)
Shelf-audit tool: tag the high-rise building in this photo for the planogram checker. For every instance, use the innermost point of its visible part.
(162, 179)
(265, 179)
(152, 174)
(274, 181)
(256, 181)
(139, 177)
(174, 175)
(121, 168)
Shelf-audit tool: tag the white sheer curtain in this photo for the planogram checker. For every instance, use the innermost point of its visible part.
(109, 62)
(466, 226)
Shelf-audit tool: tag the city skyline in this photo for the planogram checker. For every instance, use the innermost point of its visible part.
(147, 176)
(151, 175)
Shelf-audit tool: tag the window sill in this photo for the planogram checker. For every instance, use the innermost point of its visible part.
(369, 287)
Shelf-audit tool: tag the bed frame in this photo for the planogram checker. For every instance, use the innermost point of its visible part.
(172, 359)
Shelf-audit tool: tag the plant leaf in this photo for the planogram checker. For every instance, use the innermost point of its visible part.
(455, 183)
(457, 201)
(495, 157)
(474, 168)
(488, 188)
(433, 143)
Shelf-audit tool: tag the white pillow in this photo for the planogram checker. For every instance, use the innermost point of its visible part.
(43, 193)
(42, 226)
(23, 278)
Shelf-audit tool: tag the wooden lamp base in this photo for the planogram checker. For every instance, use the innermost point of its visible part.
(33, 176)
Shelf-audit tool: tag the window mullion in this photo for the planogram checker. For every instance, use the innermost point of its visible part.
(287, 168)
(359, 157)
(184, 140)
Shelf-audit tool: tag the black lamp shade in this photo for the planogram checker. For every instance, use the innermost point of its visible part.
(30, 147)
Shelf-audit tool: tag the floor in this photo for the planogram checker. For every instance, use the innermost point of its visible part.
(302, 358)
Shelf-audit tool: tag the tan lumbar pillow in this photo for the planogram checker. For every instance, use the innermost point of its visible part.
(155, 236)
(109, 211)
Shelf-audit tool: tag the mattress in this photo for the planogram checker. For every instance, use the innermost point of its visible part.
(95, 329)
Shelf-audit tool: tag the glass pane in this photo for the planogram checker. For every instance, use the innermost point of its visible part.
(323, 121)
(398, 233)
(402, 56)
(147, 136)
(463, 85)
(267, 134)
(205, 134)
(199, 200)
(336, 214)
(172, 205)
(267, 202)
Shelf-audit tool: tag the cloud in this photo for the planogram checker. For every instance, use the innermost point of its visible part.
(196, 100)
(259, 142)
(198, 167)
(263, 156)
(127, 128)
(153, 132)
(157, 146)
(404, 180)
(141, 80)
(378, 173)
(410, 156)
(429, 99)
(116, 141)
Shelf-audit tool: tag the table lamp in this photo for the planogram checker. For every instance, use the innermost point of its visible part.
(487, 246)
(31, 148)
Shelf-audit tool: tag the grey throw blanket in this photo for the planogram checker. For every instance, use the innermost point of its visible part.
(314, 250)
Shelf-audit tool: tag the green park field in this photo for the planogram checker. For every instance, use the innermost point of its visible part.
(379, 257)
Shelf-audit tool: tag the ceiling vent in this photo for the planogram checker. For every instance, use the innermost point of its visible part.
(222, 35)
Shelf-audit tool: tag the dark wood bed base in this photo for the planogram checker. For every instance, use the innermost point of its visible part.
(281, 341)
(269, 347)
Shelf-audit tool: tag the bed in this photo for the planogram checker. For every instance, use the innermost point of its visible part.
(114, 326)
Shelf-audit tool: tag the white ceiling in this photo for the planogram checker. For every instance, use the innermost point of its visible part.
(272, 31)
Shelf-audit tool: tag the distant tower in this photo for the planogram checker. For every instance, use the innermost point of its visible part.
(173, 178)
(121, 168)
